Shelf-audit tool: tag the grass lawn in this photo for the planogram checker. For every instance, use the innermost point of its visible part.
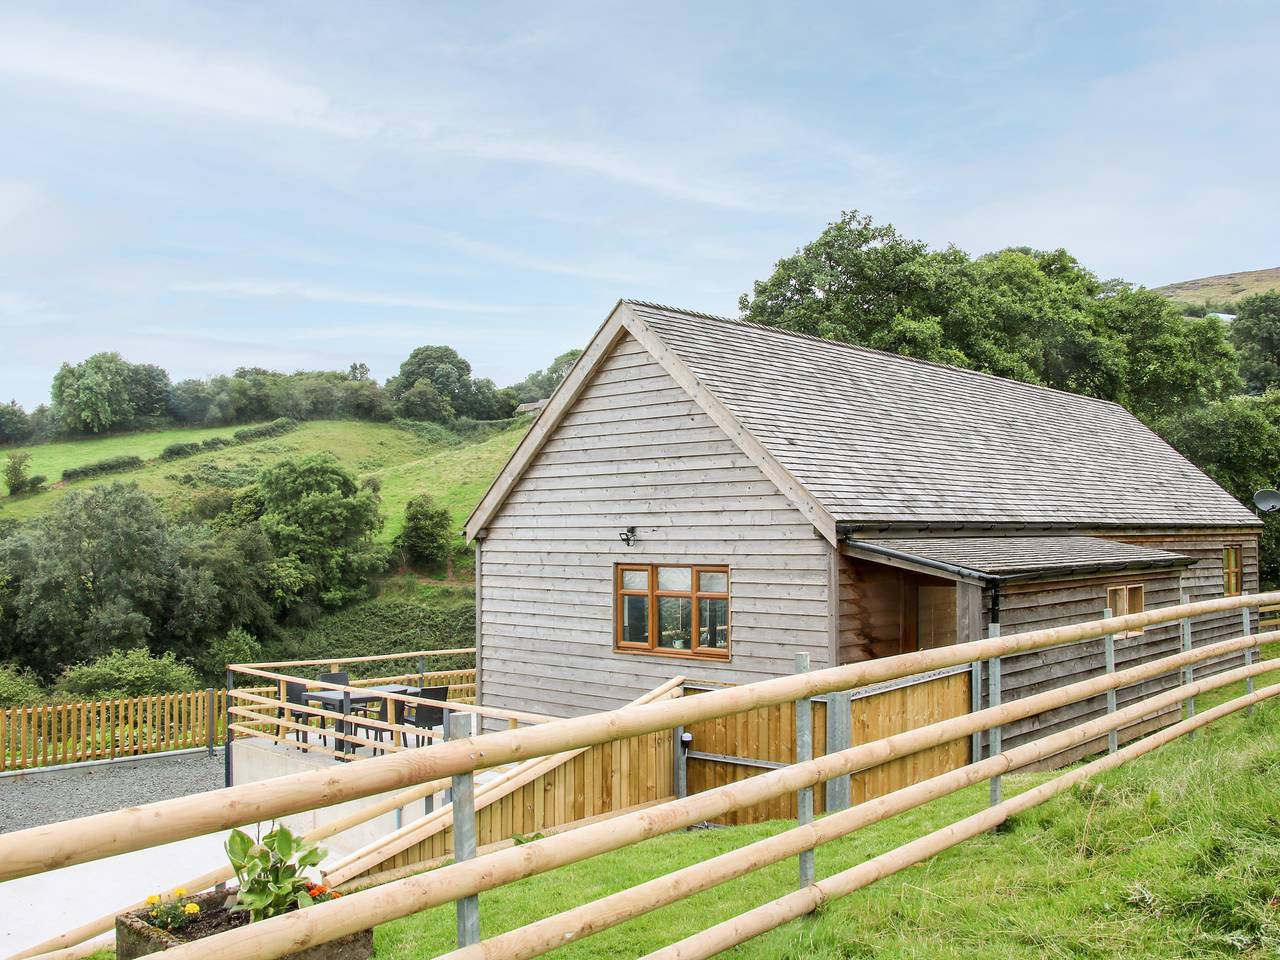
(407, 464)
(1176, 855)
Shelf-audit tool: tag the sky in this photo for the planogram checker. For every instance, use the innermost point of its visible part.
(303, 184)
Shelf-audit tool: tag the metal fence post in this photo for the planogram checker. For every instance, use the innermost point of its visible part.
(679, 746)
(839, 737)
(975, 704)
(995, 734)
(446, 729)
(211, 712)
(1247, 627)
(464, 836)
(1189, 671)
(804, 751)
(226, 750)
(1109, 657)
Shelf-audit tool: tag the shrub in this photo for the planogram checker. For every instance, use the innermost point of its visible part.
(207, 504)
(427, 536)
(36, 483)
(175, 451)
(128, 673)
(275, 428)
(15, 472)
(109, 465)
(19, 686)
(235, 646)
(216, 443)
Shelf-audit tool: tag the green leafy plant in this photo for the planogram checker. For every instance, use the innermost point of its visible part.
(271, 872)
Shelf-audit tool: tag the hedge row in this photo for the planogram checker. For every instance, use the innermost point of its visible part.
(109, 465)
(176, 451)
(275, 428)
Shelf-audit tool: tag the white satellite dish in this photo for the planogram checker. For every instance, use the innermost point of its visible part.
(1267, 500)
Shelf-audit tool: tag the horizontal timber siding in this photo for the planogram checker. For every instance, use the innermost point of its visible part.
(635, 450)
(1036, 605)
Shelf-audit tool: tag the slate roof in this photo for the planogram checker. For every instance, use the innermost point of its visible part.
(1012, 556)
(881, 440)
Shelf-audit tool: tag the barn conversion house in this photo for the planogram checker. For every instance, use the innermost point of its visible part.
(707, 497)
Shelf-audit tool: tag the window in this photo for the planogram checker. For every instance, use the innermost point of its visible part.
(670, 609)
(1125, 600)
(1232, 571)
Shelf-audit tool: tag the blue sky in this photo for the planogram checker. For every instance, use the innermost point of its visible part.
(304, 184)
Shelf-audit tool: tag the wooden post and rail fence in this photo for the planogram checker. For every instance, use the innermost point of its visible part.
(794, 782)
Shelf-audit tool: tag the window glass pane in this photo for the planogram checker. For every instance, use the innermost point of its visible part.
(675, 622)
(635, 620)
(713, 623)
(675, 578)
(635, 579)
(711, 582)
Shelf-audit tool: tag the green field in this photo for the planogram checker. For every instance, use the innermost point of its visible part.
(1227, 286)
(455, 471)
(1176, 855)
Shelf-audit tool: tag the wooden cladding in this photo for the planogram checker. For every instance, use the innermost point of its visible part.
(1123, 600)
(1232, 570)
(672, 609)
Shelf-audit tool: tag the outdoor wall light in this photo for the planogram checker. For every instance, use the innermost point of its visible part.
(628, 536)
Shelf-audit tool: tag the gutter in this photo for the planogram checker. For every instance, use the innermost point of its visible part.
(954, 569)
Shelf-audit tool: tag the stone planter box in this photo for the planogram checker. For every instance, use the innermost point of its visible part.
(135, 937)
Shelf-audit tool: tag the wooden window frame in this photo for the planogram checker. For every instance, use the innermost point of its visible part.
(1126, 591)
(1233, 574)
(693, 594)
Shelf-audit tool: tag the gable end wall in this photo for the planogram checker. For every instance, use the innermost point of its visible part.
(635, 450)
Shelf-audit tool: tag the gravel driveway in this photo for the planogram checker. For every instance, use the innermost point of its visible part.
(38, 798)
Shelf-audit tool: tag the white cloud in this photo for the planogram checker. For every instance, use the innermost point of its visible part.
(318, 293)
(169, 74)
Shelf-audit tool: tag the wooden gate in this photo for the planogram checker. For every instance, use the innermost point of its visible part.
(734, 748)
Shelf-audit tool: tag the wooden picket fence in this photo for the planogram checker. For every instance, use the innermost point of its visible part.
(48, 734)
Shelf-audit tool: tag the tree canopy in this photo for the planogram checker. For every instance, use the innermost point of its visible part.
(1256, 334)
(1032, 315)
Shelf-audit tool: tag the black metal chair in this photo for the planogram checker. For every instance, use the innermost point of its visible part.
(295, 694)
(424, 716)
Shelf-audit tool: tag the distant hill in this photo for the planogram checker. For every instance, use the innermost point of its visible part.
(456, 470)
(1227, 286)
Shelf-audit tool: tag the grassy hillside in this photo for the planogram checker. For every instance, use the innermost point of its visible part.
(453, 470)
(1176, 855)
(1227, 286)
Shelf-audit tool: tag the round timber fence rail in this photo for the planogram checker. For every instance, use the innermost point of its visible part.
(418, 771)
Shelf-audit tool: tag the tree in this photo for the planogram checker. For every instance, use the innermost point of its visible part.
(358, 371)
(1237, 443)
(1031, 315)
(15, 472)
(15, 425)
(104, 570)
(427, 535)
(1256, 335)
(95, 395)
(423, 401)
(149, 390)
(541, 383)
(315, 512)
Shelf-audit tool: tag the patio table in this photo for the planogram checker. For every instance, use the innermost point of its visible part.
(344, 700)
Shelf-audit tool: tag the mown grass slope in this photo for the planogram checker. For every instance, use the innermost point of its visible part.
(1174, 856)
(1226, 286)
(454, 470)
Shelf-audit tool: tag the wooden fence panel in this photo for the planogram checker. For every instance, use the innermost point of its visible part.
(602, 779)
(49, 734)
(768, 734)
